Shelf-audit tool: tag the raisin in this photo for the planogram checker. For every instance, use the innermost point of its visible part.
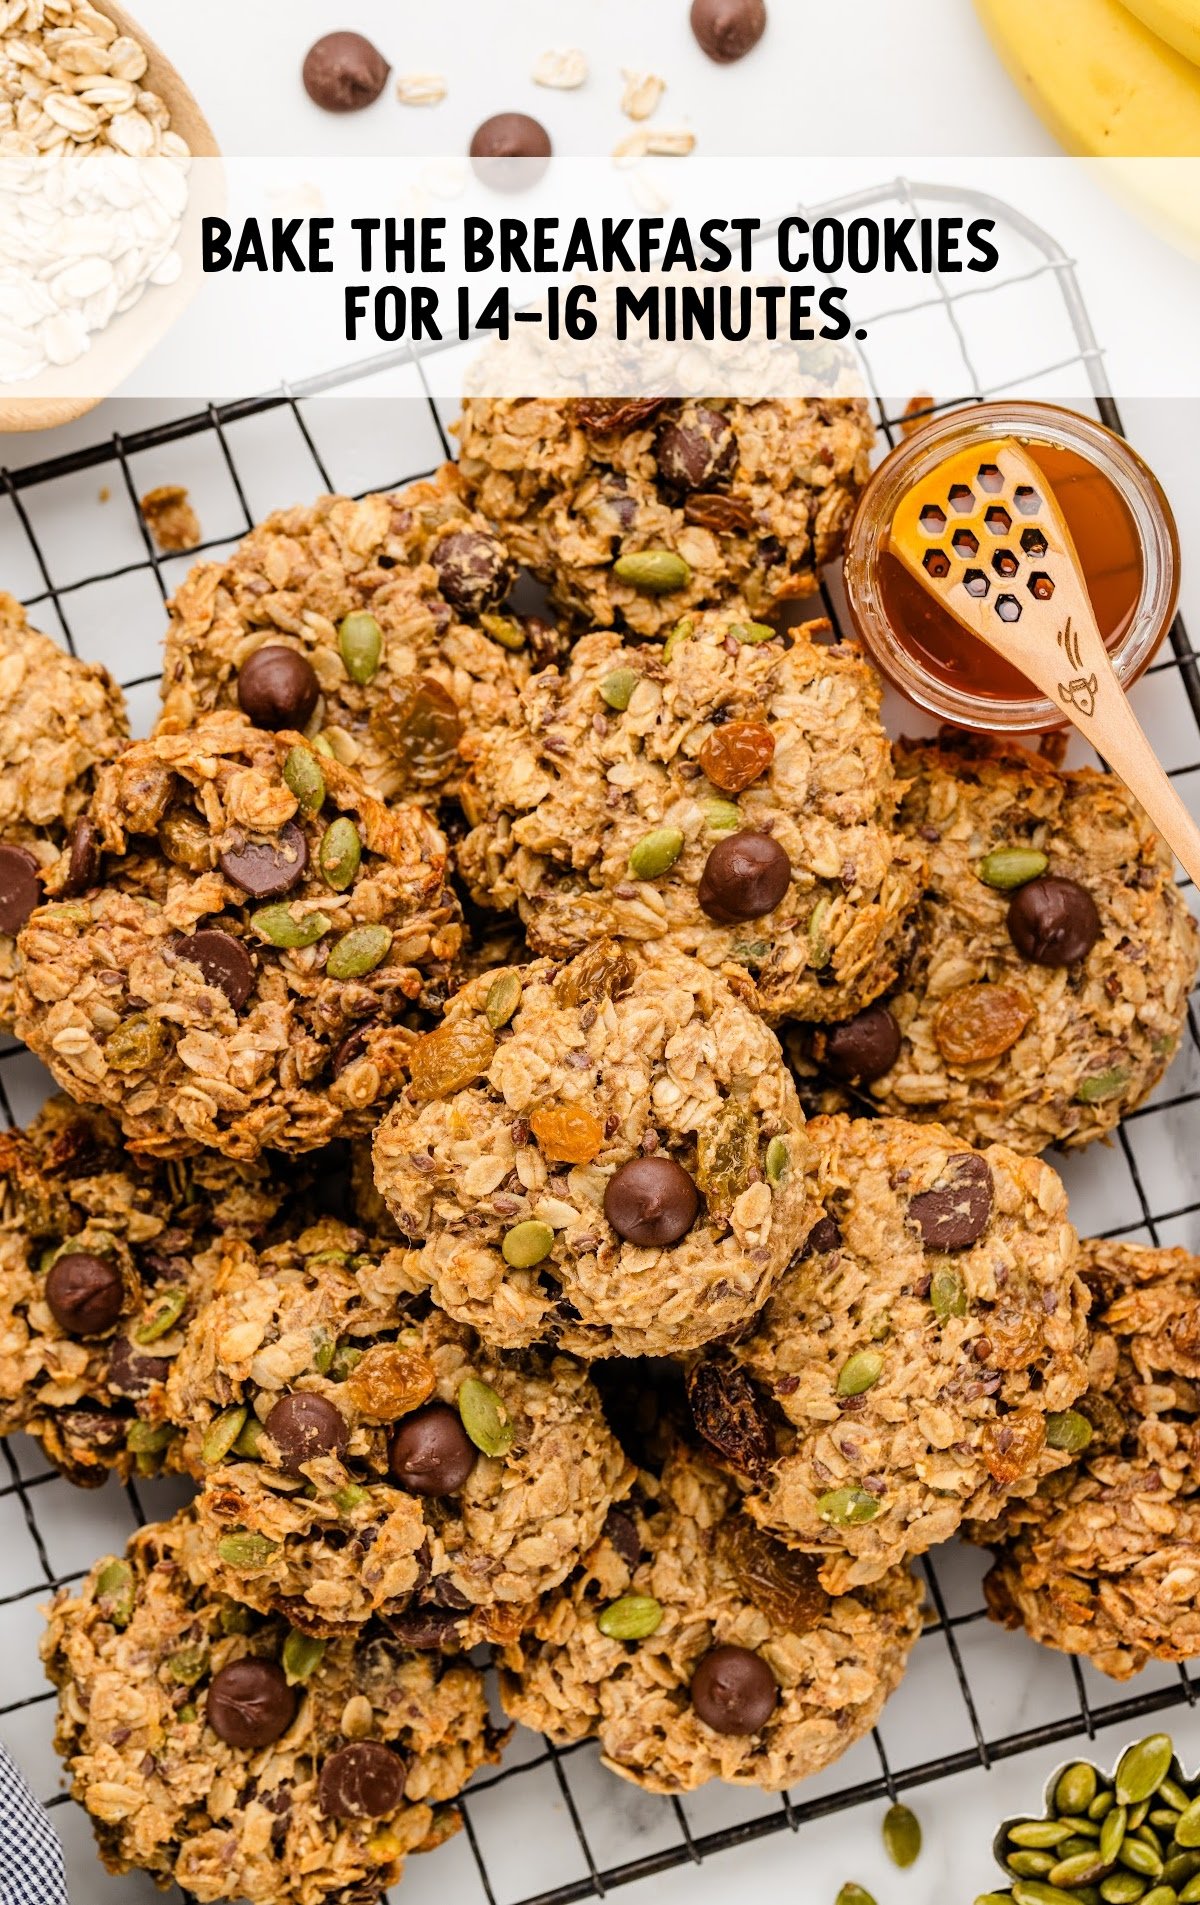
(603, 971)
(424, 728)
(450, 1058)
(567, 1133)
(726, 1149)
(602, 415)
(1011, 1446)
(736, 754)
(389, 1381)
(782, 1584)
(724, 515)
(979, 1022)
(728, 1414)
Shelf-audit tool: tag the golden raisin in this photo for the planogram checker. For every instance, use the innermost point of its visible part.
(388, 1381)
(1011, 1446)
(567, 1132)
(980, 1022)
(737, 754)
(424, 728)
(450, 1058)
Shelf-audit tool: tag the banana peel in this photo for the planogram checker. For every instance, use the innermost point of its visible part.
(1175, 21)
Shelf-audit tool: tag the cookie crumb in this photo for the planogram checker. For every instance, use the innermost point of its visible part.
(168, 515)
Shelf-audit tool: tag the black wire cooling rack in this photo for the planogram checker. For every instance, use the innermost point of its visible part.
(941, 345)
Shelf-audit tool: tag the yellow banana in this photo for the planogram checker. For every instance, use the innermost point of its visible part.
(1175, 21)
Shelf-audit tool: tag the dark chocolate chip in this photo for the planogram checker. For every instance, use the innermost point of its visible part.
(862, 1048)
(351, 1048)
(362, 1781)
(698, 452)
(734, 1691)
(83, 866)
(651, 1201)
(343, 72)
(277, 688)
(1053, 922)
(728, 29)
(85, 1293)
(621, 1529)
(87, 1431)
(955, 1213)
(223, 960)
(728, 1414)
(131, 1372)
(249, 1703)
(303, 1426)
(473, 570)
(825, 1235)
(20, 888)
(515, 149)
(265, 868)
(430, 1453)
(745, 876)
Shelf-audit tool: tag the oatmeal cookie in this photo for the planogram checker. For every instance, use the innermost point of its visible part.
(102, 1260)
(1054, 955)
(219, 1750)
(1105, 1559)
(379, 624)
(607, 1156)
(914, 1366)
(60, 720)
(695, 1647)
(361, 1454)
(255, 933)
(637, 512)
(730, 793)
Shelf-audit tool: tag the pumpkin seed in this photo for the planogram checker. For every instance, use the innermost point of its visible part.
(168, 1308)
(947, 1294)
(653, 571)
(847, 1507)
(1008, 867)
(860, 1372)
(358, 952)
(503, 998)
(1030, 1865)
(1080, 1870)
(753, 632)
(1036, 1892)
(1066, 1429)
(526, 1244)
(721, 816)
(186, 1714)
(188, 1664)
(1112, 1833)
(246, 1550)
(1191, 1891)
(630, 1617)
(114, 1592)
(1180, 1867)
(655, 853)
(345, 1359)
(776, 1161)
(234, 1618)
(819, 949)
(340, 853)
(503, 629)
(1102, 1085)
(1137, 1814)
(852, 1894)
(360, 640)
(348, 1498)
(305, 779)
(484, 1417)
(323, 746)
(1122, 1888)
(323, 1347)
(616, 690)
(1142, 1767)
(1076, 1788)
(1160, 1895)
(1142, 1858)
(681, 633)
(67, 913)
(1039, 1832)
(136, 1045)
(1187, 1831)
(1165, 1818)
(279, 926)
(901, 1835)
(1082, 1826)
(1102, 1804)
(1148, 1836)
(142, 1438)
(994, 1898)
(301, 1656)
(224, 1432)
(1173, 1795)
(247, 1443)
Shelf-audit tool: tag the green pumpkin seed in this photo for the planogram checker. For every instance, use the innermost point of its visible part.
(1080, 1870)
(358, 952)
(526, 1244)
(345, 1359)
(776, 1161)
(305, 779)
(656, 853)
(1122, 1888)
(859, 1373)
(1082, 1826)
(1148, 1836)
(1076, 1844)
(901, 1835)
(1191, 1891)
(1103, 1085)
(819, 949)
(67, 913)
(247, 1443)
(994, 1898)
(947, 1294)
(142, 1438)
(1008, 867)
(1039, 1832)
(1076, 1788)
(301, 1656)
(1173, 1795)
(348, 1498)
(721, 816)
(1187, 1831)
(631, 1617)
(1142, 1858)
(222, 1435)
(847, 1507)
(323, 746)
(653, 571)
(1030, 1865)
(1142, 1767)
(1066, 1429)
(752, 632)
(136, 1045)
(187, 1714)
(246, 1550)
(852, 1894)
(235, 1619)
(188, 1664)
(616, 690)
(323, 1347)
(1112, 1833)
(114, 1592)
(340, 853)
(1137, 1814)
(1037, 1892)
(1160, 1895)
(504, 630)
(168, 1307)
(681, 633)
(484, 1417)
(360, 640)
(279, 926)
(1102, 1804)
(1165, 1818)
(503, 998)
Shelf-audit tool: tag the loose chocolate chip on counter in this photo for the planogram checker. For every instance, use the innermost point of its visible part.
(83, 866)
(343, 72)
(745, 876)
(131, 1372)
(473, 570)
(695, 454)
(249, 1703)
(825, 1235)
(430, 1452)
(728, 29)
(20, 888)
(621, 1529)
(223, 960)
(1053, 922)
(303, 1426)
(651, 1202)
(85, 1293)
(362, 1781)
(734, 1691)
(266, 868)
(956, 1213)
(517, 147)
(862, 1048)
(277, 688)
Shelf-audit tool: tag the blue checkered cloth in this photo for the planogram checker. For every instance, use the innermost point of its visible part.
(31, 1860)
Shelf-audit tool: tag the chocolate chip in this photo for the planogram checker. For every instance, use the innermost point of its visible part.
(825, 1235)
(277, 688)
(862, 1048)
(745, 876)
(343, 72)
(249, 1703)
(621, 1529)
(85, 1293)
(955, 1213)
(733, 1690)
(20, 888)
(426, 1629)
(473, 570)
(430, 1452)
(362, 1781)
(651, 1201)
(303, 1426)
(697, 451)
(89, 1432)
(223, 960)
(265, 868)
(83, 865)
(351, 1048)
(1053, 922)
(132, 1373)
(728, 29)
(516, 149)
(727, 1412)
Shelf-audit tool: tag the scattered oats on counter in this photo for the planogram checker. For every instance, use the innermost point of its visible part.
(642, 93)
(563, 68)
(168, 514)
(658, 144)
(421, 89)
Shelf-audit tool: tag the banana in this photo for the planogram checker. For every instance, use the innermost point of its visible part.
(1175, 21)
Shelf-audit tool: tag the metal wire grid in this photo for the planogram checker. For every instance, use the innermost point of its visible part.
(26, 1483)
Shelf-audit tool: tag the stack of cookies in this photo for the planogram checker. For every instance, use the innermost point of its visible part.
(430, 1184)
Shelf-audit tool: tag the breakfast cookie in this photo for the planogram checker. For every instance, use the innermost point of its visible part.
(243, 1760)
(693, 1647)
(378, 626)
(638, 511)
(60, 720)
(361, 1454)
(1054, 955)
(917, 1364)
(729, 792)
(253, 934)
(1105, 1559)
(606, 1155)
